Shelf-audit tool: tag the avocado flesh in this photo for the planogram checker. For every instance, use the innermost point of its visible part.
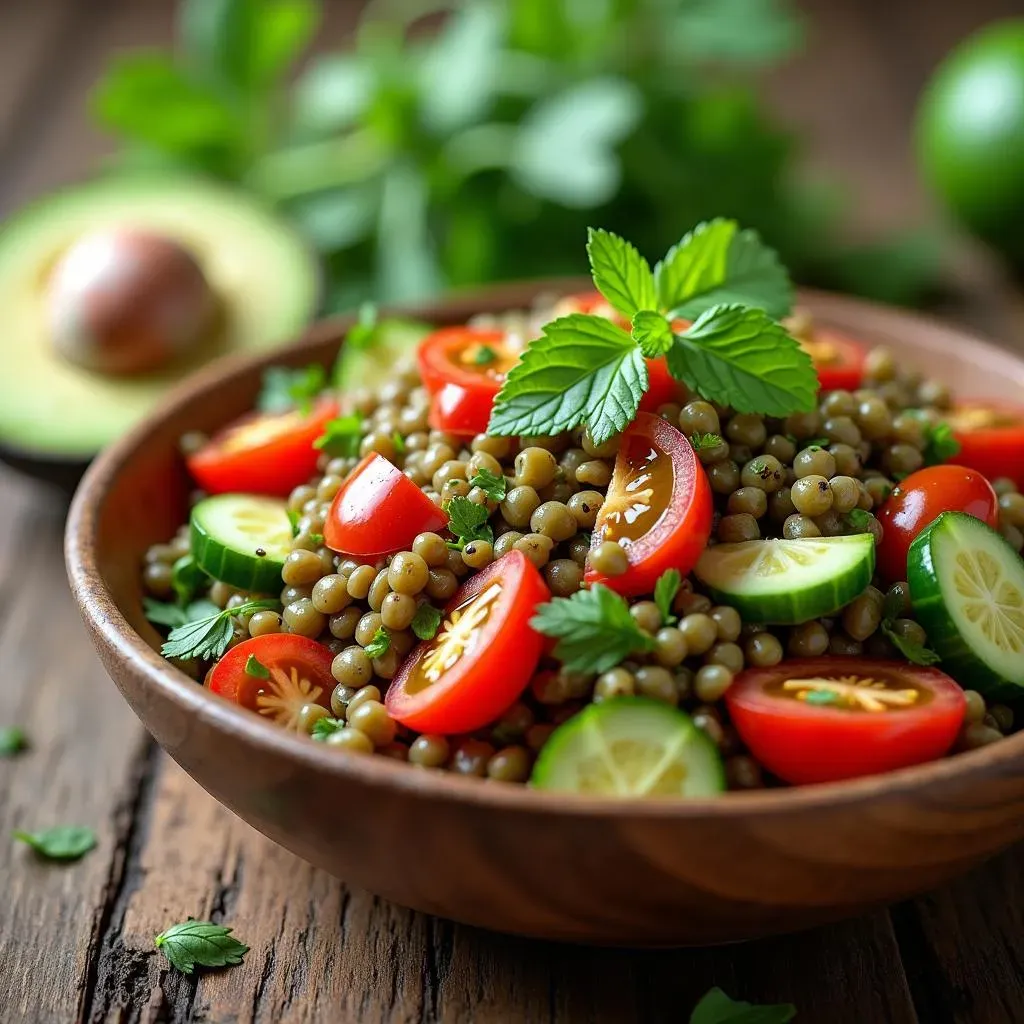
(266, 279)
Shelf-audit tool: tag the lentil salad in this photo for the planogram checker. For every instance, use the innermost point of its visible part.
(691, 599)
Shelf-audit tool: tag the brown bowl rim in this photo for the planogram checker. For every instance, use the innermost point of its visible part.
(102, 615)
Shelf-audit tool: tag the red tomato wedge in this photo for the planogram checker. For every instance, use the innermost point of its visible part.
(991, 436)
(919, 499)
(662, 387)
(299, 674)
(463, 369)
(838, 360)
(658, 506)
(378, 510)
(826, 719)
(483, 656)
(262, 453)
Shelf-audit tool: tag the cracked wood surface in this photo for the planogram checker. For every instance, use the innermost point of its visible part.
(76, 941)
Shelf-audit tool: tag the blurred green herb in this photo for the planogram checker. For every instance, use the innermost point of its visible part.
(940, 444)
(342, 436)
(479, 144)
(285, 388)
(12, 741)
(65, 842)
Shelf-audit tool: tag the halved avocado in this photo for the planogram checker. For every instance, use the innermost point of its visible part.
(58, 414)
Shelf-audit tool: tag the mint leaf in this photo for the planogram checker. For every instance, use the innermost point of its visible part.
(342, 436)
(621, 274)
(12, 741)
(701, 442)
(717, 1008)
(208, 637)
(914, 652)
(186, 578)
(324, 727)
(940, 444)
(493, 485)
(584, 369)
(741, 357)
(65, 842)
(665, 591)
(718, 264)
(468, 521)
(200, 944)
(255, 667)
(379, 643)
(653, 333)
(427, 621)
(594, 629)
(285, 388)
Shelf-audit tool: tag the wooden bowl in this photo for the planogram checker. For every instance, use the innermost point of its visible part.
(504, 857)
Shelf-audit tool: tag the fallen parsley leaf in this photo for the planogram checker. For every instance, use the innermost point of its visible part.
(342, 436)
(717, 1008)
(12, 741)
(665, 591)
(65, 842)
(594, 629)
(492, 484)
(739, 356)
(255, 667)
(324, 727)
(379, 645)
(208, 637)
(700, 442)
(583, 370)
(914, 652)
(200, 944)
(940, 444)
(186, 578)
(468, 521)
(652, 332)
(285, 388)
(621, 274)
(717, 264)
(427, 621)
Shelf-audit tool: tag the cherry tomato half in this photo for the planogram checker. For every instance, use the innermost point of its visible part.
(838, 360)
(378, 510)
(299, 674)
(662, 387)
(825, 719)
(463, 369)
(658, 506)
(991, 436)
(483, 656)
(262, 453)
(919, 499)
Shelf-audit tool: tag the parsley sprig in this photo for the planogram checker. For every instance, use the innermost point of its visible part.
(208, 637)
(194, 944)
(493, 485)
(468, 522)
(342, 436)
(914, 652)
(586, 369)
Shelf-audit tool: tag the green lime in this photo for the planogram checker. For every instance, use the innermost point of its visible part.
(970, 135)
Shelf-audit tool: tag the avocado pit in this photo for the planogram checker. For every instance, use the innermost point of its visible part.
(125, 301)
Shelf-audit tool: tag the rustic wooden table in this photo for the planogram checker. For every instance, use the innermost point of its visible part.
(76, 941)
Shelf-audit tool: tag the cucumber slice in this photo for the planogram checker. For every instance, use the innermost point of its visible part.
(786, 582)
(630, 747)
(371, 364)
(967, 589)
(227, 532)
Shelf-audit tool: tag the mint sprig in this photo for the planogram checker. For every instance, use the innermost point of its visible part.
(653, 333)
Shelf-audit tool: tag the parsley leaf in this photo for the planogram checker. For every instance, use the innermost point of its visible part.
(285, 388)
(492, 484)
(468, 521)
(621, 274)
(484, 356)
(427, 621)
(914, 652)
(12, 741)
(815, 442)
(718, 264)
(594, 629)
(700, 442)
(342, 436)
(255, 667)
(324, 727)
(652, 332)
(293, 518)
(160, 613)
(398, 441)
(200, 943)
(186, 578)
(317, 539)
(717, 1008)
(741, 357)
(379, 645)
(940, 444)
(208, 637)
(665, 591)
(858, 518)
(65, 842)
(584, 369)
